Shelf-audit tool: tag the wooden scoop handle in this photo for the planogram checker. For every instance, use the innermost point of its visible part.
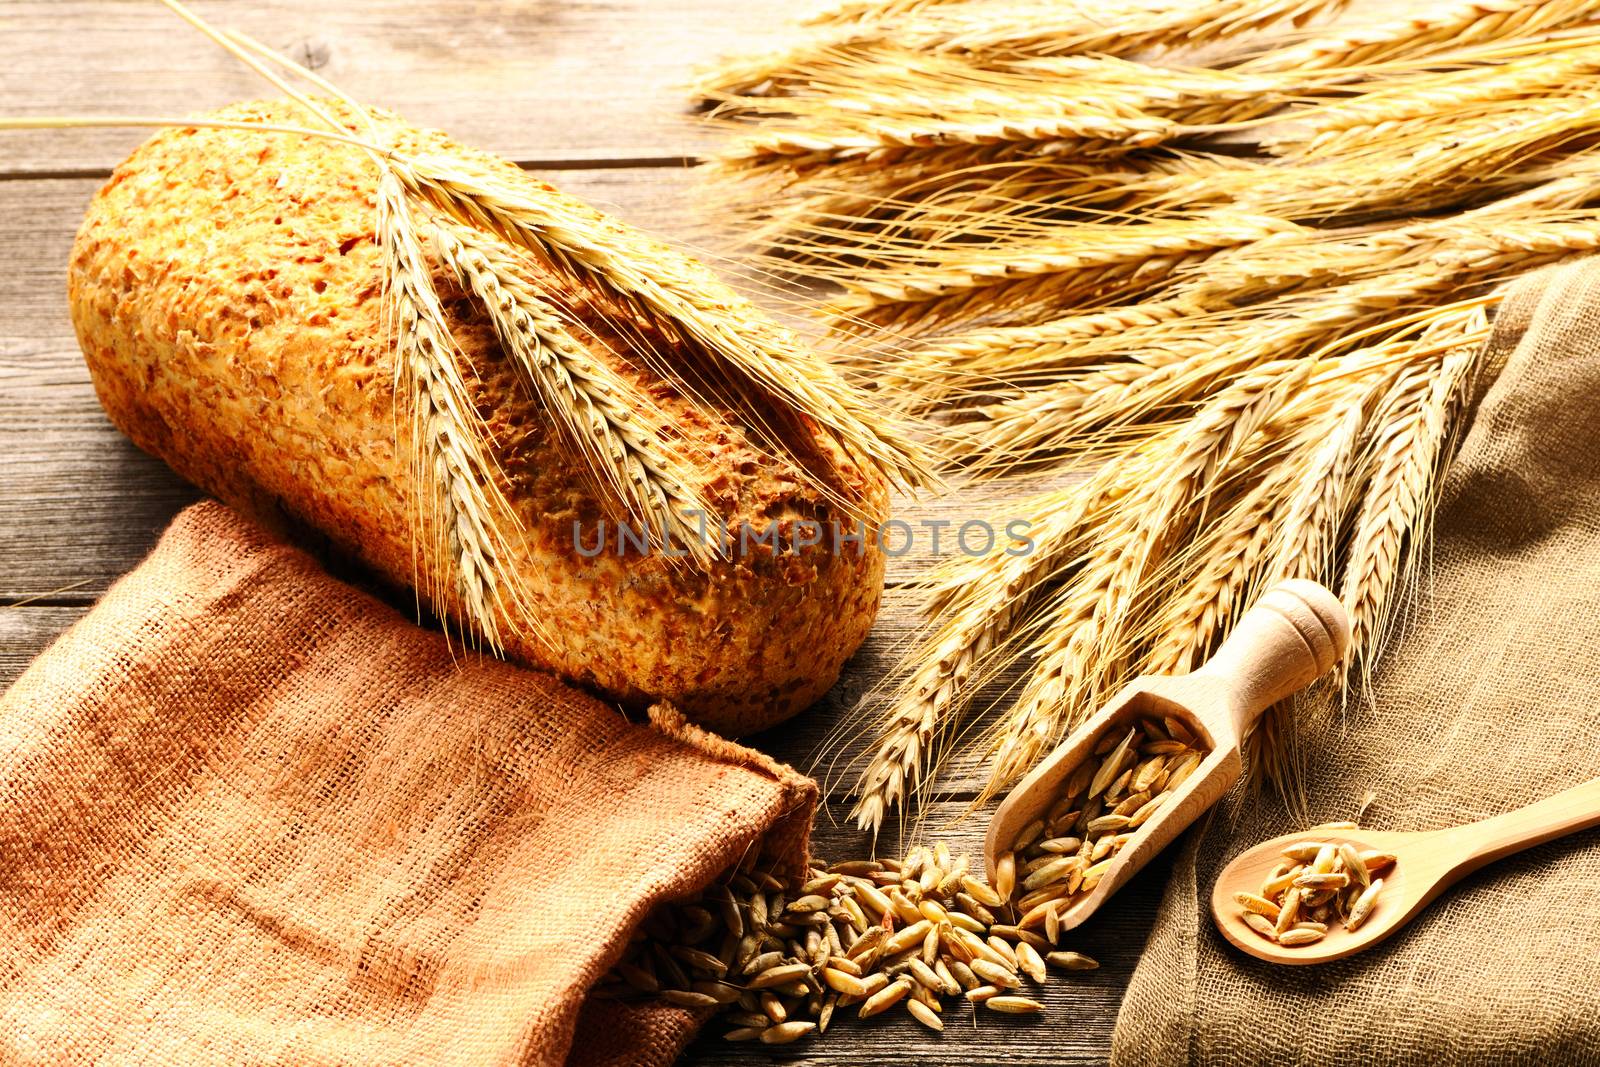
(1567, 812)
(1293, 635)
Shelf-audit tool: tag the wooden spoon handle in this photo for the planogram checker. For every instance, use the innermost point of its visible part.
(1293, 635)
(1567, 812)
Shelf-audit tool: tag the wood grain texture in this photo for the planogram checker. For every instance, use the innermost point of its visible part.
(534, 80)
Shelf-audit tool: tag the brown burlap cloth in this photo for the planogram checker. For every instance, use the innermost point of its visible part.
(251, 815)
(1487, 699)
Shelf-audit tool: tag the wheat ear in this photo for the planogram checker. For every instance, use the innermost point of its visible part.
(1397, 505)
(1225, 564)
(983, 360)
(799, 148)
(1331, 128)
(1072, 261)
(1051, 698)
(991, 594)
(1303, 543)
(1000, 32)
(1442, 29)
(613, 425)
(682, 297)
(460, 510)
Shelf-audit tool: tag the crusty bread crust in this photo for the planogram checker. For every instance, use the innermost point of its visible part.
(227, 292)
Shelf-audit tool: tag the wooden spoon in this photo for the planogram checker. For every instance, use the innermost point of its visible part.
(1426, 864)
(1293, 634)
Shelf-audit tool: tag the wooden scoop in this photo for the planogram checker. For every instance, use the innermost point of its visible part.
(1295, 633)
(1426, 864)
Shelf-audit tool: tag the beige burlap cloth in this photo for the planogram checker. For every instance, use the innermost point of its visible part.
(251, 815)
(1486, 700)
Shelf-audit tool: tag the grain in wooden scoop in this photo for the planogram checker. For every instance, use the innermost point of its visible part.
(1103, 805)
(1317, 883)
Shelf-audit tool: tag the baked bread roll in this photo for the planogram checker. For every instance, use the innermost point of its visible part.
(227, 290)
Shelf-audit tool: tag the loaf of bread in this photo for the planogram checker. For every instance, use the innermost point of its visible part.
(227, 291)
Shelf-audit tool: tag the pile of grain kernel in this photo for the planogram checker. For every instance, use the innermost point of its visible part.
(1103, 804)
(778, 960)
(1317, 882)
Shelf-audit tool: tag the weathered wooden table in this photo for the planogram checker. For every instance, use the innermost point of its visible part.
(586, 93)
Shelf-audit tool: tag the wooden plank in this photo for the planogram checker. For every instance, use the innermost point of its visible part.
(535, 80)
(25, 632)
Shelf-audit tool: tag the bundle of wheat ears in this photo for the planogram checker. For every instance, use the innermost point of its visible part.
(1222, 269)
(475, 222)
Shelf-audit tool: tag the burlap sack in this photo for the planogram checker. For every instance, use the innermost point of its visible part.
(251, 815)
(1488, 699)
